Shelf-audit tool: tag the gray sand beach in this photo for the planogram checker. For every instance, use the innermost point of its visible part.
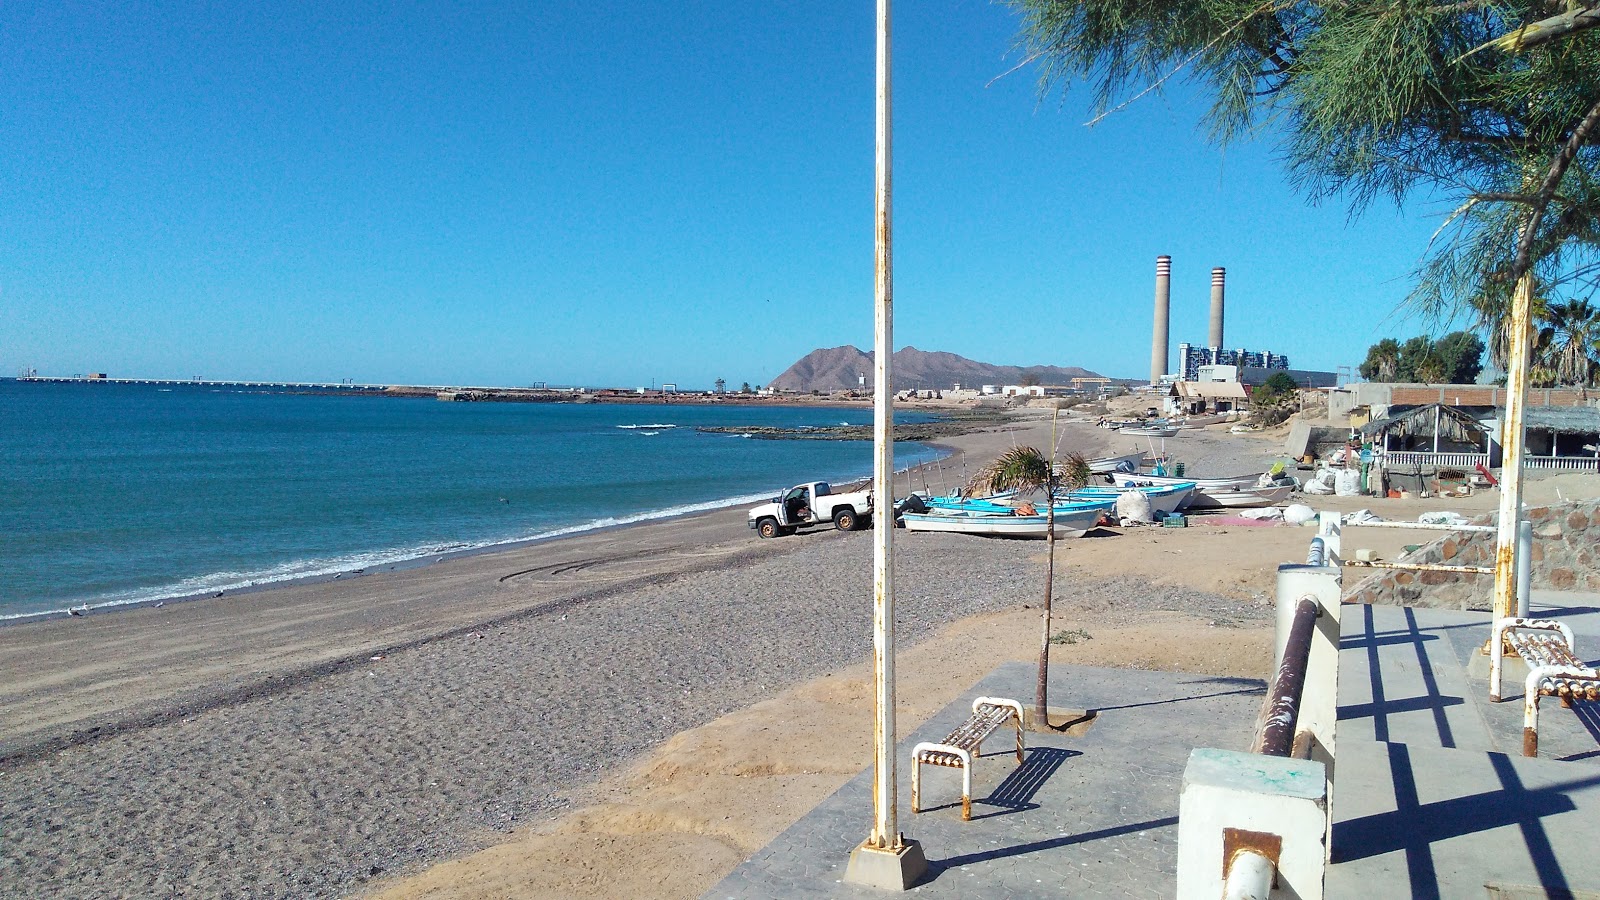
(313, 740)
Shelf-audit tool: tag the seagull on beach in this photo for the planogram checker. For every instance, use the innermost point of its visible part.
(78, 610)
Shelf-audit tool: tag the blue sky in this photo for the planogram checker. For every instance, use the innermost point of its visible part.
(619, 193)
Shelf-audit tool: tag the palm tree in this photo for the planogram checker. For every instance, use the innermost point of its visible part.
(1493, 309)
(1383, 361)
(1027, 469)
(1569, 336)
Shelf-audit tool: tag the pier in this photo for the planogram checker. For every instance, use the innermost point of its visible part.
(199, 382)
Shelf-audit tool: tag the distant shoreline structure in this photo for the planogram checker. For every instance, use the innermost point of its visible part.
(485, 394)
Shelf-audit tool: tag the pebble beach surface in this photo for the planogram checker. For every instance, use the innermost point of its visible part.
(383, 764)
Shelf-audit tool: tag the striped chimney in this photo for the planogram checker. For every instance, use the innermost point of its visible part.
(1219, 277)
(1158, 335)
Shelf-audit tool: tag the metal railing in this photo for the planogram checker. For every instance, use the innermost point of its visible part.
(1280, 713)
(1333, 524)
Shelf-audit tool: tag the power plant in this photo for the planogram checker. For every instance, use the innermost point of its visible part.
(1160, 340)
(1192, 358)
(1219, 278)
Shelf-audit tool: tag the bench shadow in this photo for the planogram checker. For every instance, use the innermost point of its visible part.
(1015, 794)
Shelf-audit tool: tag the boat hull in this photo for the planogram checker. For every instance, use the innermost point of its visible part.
(1216, 493)
(1068, 525)
(1106, 464)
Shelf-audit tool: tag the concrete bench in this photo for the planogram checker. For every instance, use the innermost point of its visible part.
(962, 746)
(1554, 669)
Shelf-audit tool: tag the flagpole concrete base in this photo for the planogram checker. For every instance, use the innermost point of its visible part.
(1059, 720)
(891, 870)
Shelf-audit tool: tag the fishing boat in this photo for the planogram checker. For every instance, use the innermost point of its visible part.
(1164, 498)
(1230, 482)
(1104, 464)
(1160, 431)
(992, 507)
(957, 521)
(1192, 422)
(1236, 491)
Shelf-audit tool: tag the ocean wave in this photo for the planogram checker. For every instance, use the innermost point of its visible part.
(655, 425)
(355, 563)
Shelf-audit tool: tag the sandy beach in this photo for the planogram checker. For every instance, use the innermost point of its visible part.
(502, 724)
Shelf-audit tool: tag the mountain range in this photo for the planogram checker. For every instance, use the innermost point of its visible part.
(839, 368)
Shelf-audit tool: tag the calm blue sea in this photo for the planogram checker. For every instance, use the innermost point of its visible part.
(117, 494)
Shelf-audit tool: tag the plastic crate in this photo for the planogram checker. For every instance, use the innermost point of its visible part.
(1175, 520)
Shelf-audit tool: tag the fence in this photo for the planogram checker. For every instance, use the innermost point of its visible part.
(1333, 523)
(1257, 824)
(1563, 463)
(1391, 458)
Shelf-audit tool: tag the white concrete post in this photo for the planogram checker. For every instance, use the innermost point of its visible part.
(1234, 803)
(1330, 527)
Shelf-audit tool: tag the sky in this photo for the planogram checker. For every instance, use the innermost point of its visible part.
(623, 193)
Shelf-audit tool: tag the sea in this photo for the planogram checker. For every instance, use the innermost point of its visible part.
(116, 494)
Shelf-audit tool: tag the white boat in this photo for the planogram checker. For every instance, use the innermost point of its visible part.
(1254, 496)
(1237, 491)
(1105, 464)
(1068, 524)
(1164, 498)
(1160, 431)
(1231, 482)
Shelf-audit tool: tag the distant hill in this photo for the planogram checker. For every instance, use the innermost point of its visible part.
(836, 369)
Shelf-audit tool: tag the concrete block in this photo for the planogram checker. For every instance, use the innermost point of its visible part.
(887, 870)
(1224, 789)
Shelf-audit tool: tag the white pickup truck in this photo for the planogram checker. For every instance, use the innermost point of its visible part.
(809, 505)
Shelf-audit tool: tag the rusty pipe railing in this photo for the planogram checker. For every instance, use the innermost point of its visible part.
(1281, 710)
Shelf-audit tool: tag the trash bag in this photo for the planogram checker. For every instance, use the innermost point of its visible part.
(1264, 513)
(1298, 514)
(1443, 518)
(1321, 483)
(1362, 517)
(1347, 483)
(1133, 508)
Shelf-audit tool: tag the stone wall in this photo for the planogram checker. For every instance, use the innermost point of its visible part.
(1566, 546)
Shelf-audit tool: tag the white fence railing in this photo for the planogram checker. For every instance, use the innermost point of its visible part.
(1259, 824)
(1564, 463)
(1390, 458)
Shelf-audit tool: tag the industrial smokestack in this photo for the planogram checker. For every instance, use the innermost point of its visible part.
(1219, 277)
(1158, 335)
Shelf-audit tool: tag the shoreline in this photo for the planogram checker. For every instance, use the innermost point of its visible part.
(398, 560)
(313, 626)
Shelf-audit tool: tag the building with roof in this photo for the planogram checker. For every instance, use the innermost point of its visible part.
(1442, 434)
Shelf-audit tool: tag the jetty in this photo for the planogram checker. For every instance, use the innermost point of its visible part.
(202, 382)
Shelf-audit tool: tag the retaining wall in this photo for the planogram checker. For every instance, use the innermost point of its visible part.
(1566, 547)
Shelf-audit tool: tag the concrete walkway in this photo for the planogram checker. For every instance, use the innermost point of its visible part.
(1087, 816)
(1432, 797)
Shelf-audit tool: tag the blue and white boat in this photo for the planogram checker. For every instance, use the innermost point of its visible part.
(957, 521)
(992, 506)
